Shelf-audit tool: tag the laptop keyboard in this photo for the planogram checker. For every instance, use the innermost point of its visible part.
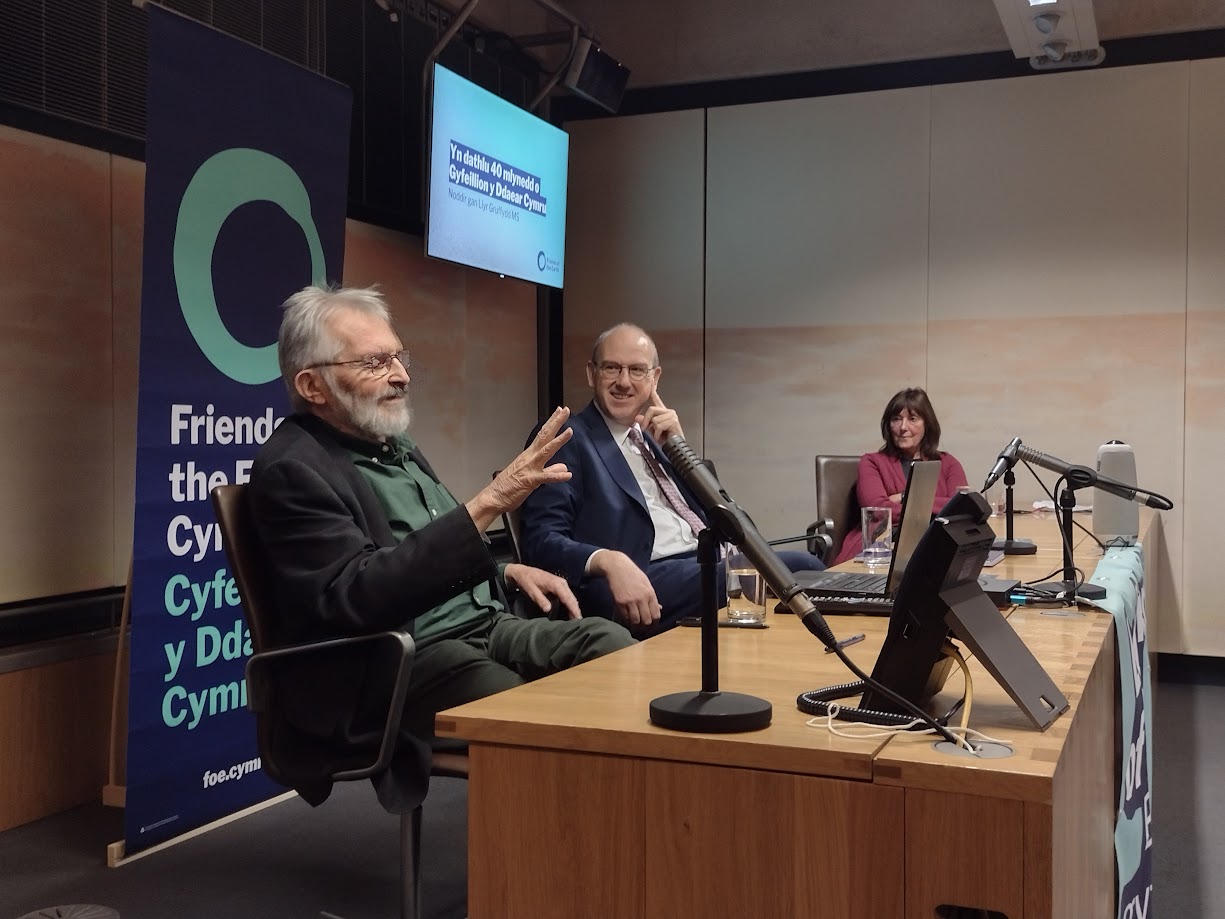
(848, 580)
(873, 606)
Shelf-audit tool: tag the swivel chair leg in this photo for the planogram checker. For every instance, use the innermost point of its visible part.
(410, 864)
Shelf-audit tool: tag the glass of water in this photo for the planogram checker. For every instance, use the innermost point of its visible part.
(877, 535)
(746, 589)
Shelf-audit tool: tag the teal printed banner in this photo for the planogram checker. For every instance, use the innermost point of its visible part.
(1121, 572)
(245, 197)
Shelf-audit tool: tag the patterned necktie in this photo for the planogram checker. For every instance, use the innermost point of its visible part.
(666, 485)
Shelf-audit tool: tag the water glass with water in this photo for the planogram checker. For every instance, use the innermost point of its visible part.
(746, 589)
(877, 536)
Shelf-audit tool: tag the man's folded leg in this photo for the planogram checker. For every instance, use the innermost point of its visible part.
(534, 648)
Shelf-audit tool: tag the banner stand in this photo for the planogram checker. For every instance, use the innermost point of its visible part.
(246, 159)
(116, 856)
(114, 792)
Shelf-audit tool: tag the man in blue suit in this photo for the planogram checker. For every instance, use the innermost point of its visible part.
(623, 529)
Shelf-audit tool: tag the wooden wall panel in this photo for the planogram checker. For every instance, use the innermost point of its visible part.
(634, 248)
(1201, 629)
(816, 290)
(127, 237)
(57, 508)
(1058, 270)
(53, 731)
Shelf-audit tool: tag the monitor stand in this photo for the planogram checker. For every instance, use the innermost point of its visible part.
(975, 621)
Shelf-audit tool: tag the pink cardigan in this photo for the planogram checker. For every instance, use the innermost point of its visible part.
(881, 476)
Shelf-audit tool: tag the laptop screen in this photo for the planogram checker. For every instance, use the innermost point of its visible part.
(921, 482)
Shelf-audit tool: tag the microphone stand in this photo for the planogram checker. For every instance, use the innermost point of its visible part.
(1009, 545)
(710, 710)
(1067, 587)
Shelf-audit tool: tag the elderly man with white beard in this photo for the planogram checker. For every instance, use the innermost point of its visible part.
(361, 537)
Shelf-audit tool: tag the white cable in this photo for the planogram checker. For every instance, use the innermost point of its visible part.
(872, 730)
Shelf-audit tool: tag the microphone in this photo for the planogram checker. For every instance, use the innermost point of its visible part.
(1084, 477)
(778, 576)
(1007, 459)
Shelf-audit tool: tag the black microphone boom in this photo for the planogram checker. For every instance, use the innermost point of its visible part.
(746, 536)
(1083, 477)
(1007, 459)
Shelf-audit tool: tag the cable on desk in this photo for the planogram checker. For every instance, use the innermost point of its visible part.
(951, 650)
(820, 701)
(912, 727)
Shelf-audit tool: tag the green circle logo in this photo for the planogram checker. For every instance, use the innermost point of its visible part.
(225, 182)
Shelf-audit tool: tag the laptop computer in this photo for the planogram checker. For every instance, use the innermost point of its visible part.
(877, 590)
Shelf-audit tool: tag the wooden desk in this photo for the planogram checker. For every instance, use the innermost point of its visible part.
(579, 807)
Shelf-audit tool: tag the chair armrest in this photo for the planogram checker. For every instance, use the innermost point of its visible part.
(820, 543)
(401, 650)
(787, 539)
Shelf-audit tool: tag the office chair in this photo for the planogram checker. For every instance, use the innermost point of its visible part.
(279, 745)
(837, 502)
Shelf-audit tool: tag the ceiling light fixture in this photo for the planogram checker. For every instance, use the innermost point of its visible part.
(1046, 23)
(1051, 34)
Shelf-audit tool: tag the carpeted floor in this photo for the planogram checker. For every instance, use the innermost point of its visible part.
(288, 860)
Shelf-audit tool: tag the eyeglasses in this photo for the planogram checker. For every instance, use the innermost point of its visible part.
(376, 364)
(610, 371)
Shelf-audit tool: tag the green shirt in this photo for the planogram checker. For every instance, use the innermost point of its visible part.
(412, 501)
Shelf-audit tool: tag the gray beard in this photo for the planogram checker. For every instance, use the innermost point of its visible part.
(377, 420)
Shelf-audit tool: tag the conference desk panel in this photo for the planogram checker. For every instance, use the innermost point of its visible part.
(1031, 834)
(578, 806)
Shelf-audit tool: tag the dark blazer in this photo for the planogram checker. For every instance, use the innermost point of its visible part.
(339, 571)
(601, 506)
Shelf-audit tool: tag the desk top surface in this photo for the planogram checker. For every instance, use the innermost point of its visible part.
(602, 706)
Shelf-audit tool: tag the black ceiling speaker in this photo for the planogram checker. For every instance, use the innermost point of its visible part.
(597, 76)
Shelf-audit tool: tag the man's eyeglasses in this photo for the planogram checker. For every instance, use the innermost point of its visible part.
(610, 371)
(377, 364)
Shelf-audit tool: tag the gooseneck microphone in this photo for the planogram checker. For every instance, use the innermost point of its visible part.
(1007, 459)
(1083, 477)
(777, 575)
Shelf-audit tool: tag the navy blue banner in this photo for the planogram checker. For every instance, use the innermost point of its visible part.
(245, 194)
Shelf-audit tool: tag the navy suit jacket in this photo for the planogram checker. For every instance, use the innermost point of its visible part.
(601, 507)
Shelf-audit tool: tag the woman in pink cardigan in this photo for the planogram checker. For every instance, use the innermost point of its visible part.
(911, 432)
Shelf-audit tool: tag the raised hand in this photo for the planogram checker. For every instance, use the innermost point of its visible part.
(660, 421)
(524, 473)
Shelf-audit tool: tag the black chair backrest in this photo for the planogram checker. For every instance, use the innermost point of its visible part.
(246, 555)
(510, 520)
(510, 523)
(836, 499)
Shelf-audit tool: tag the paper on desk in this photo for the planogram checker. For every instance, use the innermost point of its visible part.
(1047, 505)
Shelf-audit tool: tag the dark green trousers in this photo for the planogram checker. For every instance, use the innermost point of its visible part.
(506, 652)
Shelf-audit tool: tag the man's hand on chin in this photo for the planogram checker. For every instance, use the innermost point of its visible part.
(539, 585)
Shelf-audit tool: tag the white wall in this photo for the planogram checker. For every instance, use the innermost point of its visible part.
(1039, 253)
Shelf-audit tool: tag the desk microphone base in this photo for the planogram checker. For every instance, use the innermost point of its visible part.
(711, 712)
(1015, 546)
